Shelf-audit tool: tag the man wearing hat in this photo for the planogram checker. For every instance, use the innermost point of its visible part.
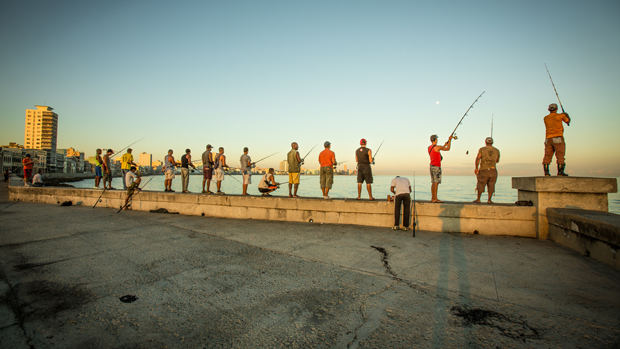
(207, 169)
(126, 163)
(554, 139)
(27, 164)
(327, 159)
(363, 157)
(485, 170)
(435, 168)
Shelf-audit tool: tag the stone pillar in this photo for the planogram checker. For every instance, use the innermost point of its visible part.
(563, 192)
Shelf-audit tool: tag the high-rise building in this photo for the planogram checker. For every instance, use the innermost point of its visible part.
(146, 159)
(345, 168)
(41, 128)
(283, 165)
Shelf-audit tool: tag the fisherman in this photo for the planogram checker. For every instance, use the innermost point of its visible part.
(36, 180)
(98, 172)
(207, 169)
(27, 164)
(327, 159)
(107, 170)
(220, 166)
(554, 139)
(485, 170)
(268, 183)
(246, 169)
(170, 166)
(126, 163)
(186, 162)
(133, 181)
(434, 152)
(294, 168)
(363, 157)
(401, 188)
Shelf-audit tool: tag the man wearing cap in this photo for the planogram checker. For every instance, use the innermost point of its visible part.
(207, 169)
(434, 152)
(485, 170)
(246, 169)
(363, 157)
(127, 162)
(294, 168)
(327, 159)
(554, 139)
(27, 164)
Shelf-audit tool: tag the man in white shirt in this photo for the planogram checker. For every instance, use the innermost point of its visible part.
(36, 180)
(401, 189)
(133, 181)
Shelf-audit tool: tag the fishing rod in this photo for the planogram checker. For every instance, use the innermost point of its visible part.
(233, 177)
(556, 92)
(373, 158)
(255, 162)
(491, 125)
(134, 194)
(414, 213)
(304, 158)
(115, 172)
(457, 125)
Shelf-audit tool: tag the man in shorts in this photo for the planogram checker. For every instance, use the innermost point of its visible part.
(327, 160)
(294, 168)
(220, 167)
(27, 164)
(246, 170)
(268, 183)
(434, 153)
(133, 181)
(207, 169)
(107, 170)
(485, 170)
(170, 168)
(98, 171)
(363, 157)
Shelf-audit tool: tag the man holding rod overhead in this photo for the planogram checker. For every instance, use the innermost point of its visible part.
(434, 152)
(363, 157)
(554, 139)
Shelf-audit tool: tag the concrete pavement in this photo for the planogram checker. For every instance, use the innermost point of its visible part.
(209, 282)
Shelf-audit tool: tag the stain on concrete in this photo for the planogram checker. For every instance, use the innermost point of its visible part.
(512, 328)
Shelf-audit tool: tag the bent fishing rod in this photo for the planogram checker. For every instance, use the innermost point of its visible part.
(304, 158)
(453, 135)
(139, 190)
(373, 158)
(115, 172)
(556, 92)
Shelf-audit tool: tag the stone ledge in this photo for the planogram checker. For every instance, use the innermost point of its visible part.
(566, 184)
(603, 226)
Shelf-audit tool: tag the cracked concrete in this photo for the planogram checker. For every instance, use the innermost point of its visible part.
(208, 282)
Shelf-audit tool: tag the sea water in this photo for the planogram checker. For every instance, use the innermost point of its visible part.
(452, 188)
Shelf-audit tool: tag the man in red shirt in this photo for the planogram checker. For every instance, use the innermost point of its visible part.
(433, 151)
(554, 139)
(327, 159)
(27, 164)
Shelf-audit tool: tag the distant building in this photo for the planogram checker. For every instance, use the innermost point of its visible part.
(284, 165)
(146, 160)
(41, 133)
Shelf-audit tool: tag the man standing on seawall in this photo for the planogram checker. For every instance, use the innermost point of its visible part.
(487, 158)
(98, 169)
(27, 164)
(220, 167)
(127, 162)
(170, 169)
(554, 139)
(434, 152)
(207, 169)
(246, 167)
(327, 159)
(363, 157)
(107, 170)
(401, 189)
(186, 162)
(294, 168)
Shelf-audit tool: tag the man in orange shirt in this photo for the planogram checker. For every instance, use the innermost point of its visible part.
(327, 159)
(27, 164)
(554, 139)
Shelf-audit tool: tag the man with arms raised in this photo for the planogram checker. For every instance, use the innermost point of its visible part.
(434, 152)
(554, 139)
(363, 157)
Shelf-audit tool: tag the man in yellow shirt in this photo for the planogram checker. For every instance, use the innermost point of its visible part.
(554, 139)
(127, 162)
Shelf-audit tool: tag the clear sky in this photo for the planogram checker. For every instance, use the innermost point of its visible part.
(265, 73)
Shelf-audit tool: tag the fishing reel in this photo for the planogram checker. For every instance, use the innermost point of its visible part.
(455, 137)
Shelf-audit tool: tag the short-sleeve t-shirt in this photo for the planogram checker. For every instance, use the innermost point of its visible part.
(488, 157)
(553, 124)
(127, 159)
(401, 185)
(27, 162)
(245, 158)
(327, 158)
(129, 178)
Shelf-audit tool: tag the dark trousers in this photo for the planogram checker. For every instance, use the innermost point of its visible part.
(402, 200)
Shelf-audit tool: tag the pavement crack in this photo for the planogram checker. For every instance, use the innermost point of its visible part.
(355, 341)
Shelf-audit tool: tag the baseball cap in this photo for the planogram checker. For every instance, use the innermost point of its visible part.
(553, 106)
(209, 146)
(434, 138)
(362, 141)
(326, 144)
(488, 140)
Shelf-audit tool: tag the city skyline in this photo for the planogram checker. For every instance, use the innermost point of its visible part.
(265, 74)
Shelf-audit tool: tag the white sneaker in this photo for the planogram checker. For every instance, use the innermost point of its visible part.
(326, 197)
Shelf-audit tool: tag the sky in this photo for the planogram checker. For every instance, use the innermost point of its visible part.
(263, 74)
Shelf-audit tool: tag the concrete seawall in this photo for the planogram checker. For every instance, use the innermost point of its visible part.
(496, 219)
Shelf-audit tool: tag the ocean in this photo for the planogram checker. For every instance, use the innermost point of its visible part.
(452, 188)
